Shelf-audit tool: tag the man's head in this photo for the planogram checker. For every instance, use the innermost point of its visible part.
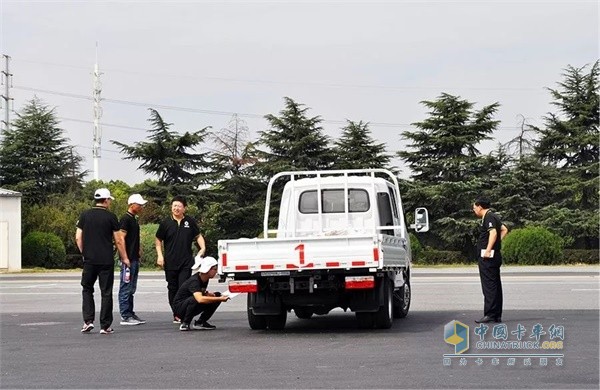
(136, 203)
(205, 265)
(480, 206)
(102, 196)
(178, 205)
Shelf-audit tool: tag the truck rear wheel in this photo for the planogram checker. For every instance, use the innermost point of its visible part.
(402, 301)
(303, 313)
(277, 321)
(384, 316)
(255, 322)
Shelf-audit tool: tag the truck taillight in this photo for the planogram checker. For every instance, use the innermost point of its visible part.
(359, 282)
(243, 286)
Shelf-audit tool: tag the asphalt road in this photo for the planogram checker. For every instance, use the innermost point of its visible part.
(41, 346)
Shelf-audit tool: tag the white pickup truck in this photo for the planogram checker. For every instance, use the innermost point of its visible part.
(341, 241)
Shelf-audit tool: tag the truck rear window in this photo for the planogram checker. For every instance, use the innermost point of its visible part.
(332, 201)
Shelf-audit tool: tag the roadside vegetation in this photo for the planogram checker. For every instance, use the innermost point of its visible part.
(544, 182)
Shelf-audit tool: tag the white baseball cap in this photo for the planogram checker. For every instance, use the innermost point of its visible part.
(137, 199)
(102, 193)
(203, 264)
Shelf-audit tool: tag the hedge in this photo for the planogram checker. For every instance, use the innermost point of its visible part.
(41, 249)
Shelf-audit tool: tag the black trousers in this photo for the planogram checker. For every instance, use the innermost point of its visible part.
(190, 308)
(105, 274)
(491, 285)
(175, 279)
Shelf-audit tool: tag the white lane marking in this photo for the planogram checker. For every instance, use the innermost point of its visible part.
(585, 289)
(43, 323)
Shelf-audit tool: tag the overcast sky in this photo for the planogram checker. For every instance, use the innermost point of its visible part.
(199, 62)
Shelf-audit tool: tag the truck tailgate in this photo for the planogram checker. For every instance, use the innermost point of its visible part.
(259, 254)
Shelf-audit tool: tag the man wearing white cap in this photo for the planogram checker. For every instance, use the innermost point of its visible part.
(96, 230)
(130, 231)
(193, 298)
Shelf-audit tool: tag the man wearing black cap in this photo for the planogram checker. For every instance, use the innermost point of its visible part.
(96, 230)
(491, 233)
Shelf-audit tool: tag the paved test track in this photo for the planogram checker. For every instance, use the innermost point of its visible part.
(41, 346)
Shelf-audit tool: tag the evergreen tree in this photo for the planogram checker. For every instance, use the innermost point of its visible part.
(356, 149)
(445, 144)
(570, 138)
(35, 157)
(294, 142)
(170, 156)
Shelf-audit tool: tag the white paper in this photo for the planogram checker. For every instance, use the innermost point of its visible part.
(483, 253)
(230, 294)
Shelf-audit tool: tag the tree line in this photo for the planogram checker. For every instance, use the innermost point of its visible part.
(546, 176)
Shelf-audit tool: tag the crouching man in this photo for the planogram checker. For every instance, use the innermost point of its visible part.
(193, 298)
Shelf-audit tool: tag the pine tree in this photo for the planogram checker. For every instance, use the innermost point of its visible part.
(35, 157)
(294, 142)
(570, 138)
(446, 142)
(356, 149)
(170, 157)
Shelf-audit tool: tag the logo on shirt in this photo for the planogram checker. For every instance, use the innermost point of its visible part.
(186, 224)
(491, 225)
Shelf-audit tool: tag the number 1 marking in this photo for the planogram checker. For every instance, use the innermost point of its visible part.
(300, 249)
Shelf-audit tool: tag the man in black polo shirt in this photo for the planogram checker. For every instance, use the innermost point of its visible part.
(96, 230)
(491, 233)
(193, 298)
(130, 230)
(177, 234)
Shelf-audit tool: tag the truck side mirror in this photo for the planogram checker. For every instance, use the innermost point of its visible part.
(421, 220)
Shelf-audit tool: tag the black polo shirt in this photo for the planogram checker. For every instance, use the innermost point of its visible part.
(177, 239)
(193, 285)
(490, 221)
(130, 225)
(98, 225)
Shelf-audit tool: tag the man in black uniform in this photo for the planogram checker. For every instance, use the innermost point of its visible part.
(130, 231)
(96, 230)
(491, 233)
(192, 298)
(177, 233)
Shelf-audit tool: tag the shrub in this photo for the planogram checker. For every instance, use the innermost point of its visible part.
(532, 245)
(577, 256)
(415, 247)
(40, 249)
(433, 256)
(147, 237)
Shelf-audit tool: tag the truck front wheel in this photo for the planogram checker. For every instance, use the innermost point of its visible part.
(384, 317)
(402, 301)
(255, 322)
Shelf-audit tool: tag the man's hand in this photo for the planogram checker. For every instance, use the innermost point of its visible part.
(160, 261)
(126, 262)
(487, 254)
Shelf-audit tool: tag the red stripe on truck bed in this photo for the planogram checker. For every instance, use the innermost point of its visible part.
(241, 268)
(376, 254)
(267, 266)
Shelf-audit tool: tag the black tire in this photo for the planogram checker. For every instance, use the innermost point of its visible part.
(255, 322)
(277, 321)
(365, 320)
(402, 301)
(384, 317)
(303, 313)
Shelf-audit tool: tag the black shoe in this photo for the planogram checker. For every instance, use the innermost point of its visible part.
(485, 319)
(498, 319)
(203, 326)
(184, 327)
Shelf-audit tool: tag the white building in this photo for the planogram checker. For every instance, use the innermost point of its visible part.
(10, 230)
